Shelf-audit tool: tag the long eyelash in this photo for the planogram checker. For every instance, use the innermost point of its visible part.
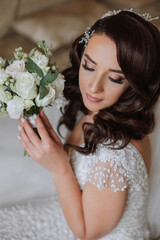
(119, 81)
(87, 68)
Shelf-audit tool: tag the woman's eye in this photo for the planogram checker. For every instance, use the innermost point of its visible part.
(87, 68)
(119, 81)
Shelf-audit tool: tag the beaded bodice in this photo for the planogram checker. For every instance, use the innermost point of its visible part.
(117, 170)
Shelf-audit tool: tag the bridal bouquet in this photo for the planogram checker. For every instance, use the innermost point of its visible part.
(29, 82)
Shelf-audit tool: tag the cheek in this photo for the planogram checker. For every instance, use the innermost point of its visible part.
(114, 91)
(82, 78)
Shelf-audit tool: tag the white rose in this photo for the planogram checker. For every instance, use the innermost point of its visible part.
(15, 67)
(5, 96)
(40, 59)
(2, 62)
(3, 76)
(15, 107)
(28, 104)
(59, 85)
(47, 99)
(37, 78)
(25, 85)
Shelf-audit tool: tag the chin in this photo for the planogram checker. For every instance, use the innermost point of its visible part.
(92, 109)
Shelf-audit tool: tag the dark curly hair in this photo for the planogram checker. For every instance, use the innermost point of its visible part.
(138, 54)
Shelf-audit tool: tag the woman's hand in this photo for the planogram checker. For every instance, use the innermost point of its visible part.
(47, 150)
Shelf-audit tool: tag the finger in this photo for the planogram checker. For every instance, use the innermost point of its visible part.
(45, 120)
(34, 139)
(42, 129)
(49, 127)
(25, 141)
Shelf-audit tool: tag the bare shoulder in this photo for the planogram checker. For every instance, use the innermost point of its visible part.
(144, 147)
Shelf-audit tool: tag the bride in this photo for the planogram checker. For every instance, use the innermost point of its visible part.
(101, 173)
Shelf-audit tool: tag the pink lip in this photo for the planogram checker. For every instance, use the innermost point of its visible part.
(93, 99)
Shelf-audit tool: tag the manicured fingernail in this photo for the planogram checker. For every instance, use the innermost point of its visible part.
(18, 137)
(34, 116)
(19, 128)
(22, 120)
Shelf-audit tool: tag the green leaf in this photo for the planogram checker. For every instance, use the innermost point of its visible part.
(6, 63)
(9, 89)
(31, 66)
(42, 44)
(12, 60)
(43, 92)
(48, 78)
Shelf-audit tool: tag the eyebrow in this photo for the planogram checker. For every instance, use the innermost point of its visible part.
(87, 56)
(111, 70)
(116, 71)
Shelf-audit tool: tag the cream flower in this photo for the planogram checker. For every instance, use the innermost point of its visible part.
(15, 107)
(5, 96)
(37, 78)
(3, 76)
(47, 99)
(25, 85)
(19, 54)
(28, 104)
(40, 59)
(15, 67)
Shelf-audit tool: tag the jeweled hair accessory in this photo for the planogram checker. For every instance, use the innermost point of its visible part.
(88, 33)
(146, 16)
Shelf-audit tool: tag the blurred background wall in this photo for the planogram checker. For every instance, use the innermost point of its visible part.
(23, 23)
(59, 22)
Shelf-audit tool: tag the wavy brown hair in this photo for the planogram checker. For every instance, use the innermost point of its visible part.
(138, 54)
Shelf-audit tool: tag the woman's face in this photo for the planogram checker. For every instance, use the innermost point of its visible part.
(101, 80)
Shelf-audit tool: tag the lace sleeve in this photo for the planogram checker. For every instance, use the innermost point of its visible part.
(108, 172)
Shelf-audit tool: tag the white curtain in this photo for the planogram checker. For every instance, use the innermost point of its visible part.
(153, 210)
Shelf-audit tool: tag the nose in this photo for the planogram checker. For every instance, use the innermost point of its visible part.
(96, 85)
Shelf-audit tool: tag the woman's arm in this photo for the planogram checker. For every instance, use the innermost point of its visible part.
(91, 214)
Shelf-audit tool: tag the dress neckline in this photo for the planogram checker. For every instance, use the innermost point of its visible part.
(136, 149)
(131, 144)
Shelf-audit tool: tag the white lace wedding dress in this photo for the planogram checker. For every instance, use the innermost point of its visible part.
(43, 219)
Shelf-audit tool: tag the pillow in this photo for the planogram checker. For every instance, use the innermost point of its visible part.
(59, 25)
(7, 13)
(30, 6)
(57, 30)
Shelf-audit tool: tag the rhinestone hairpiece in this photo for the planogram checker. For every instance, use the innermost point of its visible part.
(88, 33)
(146, 16)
